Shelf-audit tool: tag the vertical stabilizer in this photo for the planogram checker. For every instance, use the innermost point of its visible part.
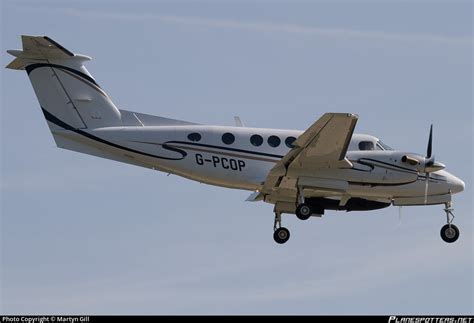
(63, 86)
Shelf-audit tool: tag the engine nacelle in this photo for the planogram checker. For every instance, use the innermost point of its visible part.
(433, 167)
(425, 165)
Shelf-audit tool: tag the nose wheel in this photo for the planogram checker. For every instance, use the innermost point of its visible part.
(280, 234)
(449, 232)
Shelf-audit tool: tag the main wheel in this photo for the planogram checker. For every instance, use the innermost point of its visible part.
(449, 233)
(303, 211)
(281, 235)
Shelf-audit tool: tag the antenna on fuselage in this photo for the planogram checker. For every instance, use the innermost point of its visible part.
(238, 122)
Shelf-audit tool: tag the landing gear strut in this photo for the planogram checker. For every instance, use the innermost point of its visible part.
(303, 210)
(449, 232)
(280, 234)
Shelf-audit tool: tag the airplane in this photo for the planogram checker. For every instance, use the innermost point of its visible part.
(326, 167)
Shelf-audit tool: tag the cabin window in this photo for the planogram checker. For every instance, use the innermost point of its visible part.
(366, 145)
(194, 136)
(289, 142)
(256, 140)
(228, 138)
(274, 141)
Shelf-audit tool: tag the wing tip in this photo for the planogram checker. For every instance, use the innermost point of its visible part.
(342, 114)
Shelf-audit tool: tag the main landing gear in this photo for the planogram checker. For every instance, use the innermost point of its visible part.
(449, 232)
(303, 210)
(280, 234)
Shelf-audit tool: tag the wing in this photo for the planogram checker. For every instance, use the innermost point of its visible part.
(322, 146)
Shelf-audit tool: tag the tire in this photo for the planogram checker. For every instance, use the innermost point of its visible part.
(281, 235)
(448, 234)
(303, 211)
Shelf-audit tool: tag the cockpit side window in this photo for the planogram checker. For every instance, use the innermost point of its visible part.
(384, 146)
(366, 145)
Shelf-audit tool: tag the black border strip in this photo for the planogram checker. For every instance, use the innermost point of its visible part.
(30, 68)
(361, 160)
(51, 118)
(93, 86)
(381, 184)
(226, 153)
(226, 148)
(59, 46)
(431, 179)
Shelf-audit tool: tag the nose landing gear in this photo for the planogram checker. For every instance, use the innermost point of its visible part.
(449, 232)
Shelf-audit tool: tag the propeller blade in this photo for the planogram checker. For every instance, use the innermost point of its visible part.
(399, 215)
(426, 186)
(430, 143)
(429, 162)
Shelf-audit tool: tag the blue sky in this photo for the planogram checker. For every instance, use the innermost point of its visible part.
(85, 235)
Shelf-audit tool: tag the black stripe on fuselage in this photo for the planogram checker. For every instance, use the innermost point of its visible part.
(381, 184)
(362, 161)
(166, 145)
(199, 149)
(226, 148)
(419, 179)
(432, 179)
(51, 118)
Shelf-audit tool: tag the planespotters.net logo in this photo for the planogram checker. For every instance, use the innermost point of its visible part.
(447, 319)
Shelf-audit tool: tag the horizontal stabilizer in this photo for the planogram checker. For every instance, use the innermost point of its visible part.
(40, 48)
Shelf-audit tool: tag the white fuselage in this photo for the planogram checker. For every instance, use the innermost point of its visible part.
(377, 174)
(330, 167)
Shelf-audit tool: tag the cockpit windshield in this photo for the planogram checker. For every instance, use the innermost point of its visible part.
(383, 146)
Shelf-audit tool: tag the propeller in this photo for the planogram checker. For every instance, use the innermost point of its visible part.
(399, 216)
(430, 164)
(430, 144)
(425, 165)
(429, 161)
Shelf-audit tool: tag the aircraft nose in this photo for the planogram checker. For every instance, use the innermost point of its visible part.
(457, 185)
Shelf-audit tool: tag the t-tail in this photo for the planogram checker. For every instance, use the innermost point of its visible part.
(67, 93)
(76, 108)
